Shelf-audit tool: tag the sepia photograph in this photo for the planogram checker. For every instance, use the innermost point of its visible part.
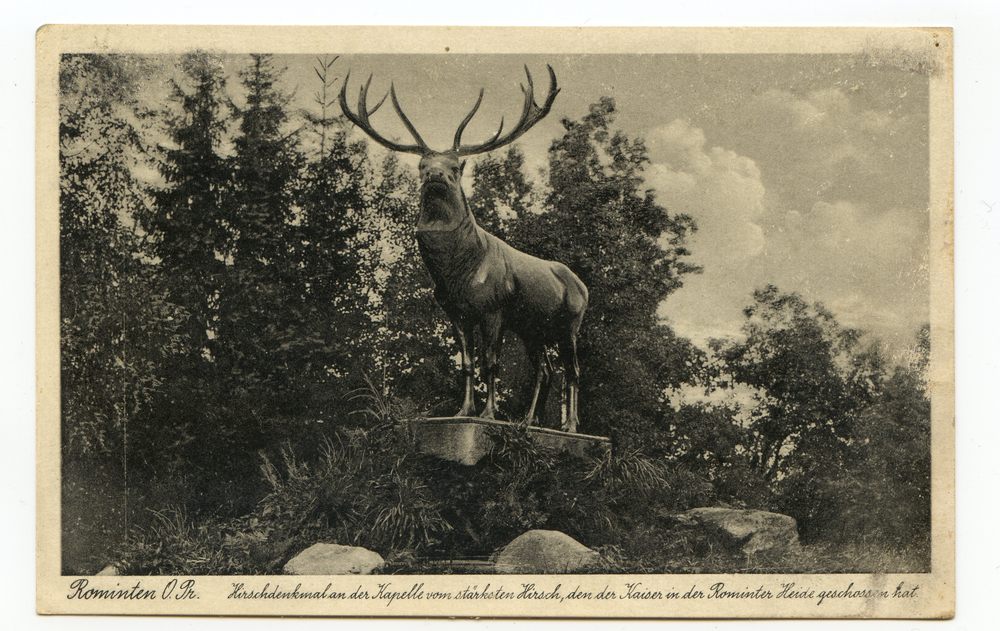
(335, 322)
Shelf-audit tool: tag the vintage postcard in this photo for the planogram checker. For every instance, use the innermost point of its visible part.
(495, 322)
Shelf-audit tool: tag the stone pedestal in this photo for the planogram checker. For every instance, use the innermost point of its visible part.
(464, 439)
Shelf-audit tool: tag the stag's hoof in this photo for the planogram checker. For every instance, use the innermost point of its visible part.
(569, 428)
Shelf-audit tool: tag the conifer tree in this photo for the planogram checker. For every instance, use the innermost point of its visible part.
(261, 296)
(187, 227)
(332, 196)
(197, 432)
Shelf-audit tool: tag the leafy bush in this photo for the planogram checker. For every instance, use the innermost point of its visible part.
(360, 491)
(174, 546)
(404, 515)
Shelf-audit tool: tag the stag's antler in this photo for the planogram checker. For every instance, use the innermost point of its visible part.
(361, 119)
(530, 115)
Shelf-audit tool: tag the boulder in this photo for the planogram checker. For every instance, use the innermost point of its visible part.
(330, 559)
(109, 571)
(748, 530)
(544, 552)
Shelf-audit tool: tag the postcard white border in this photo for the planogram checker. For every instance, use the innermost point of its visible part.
(458, 42)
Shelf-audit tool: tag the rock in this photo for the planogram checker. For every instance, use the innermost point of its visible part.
(330, 559)
(109, 571)
(749, 530)
(544, 552)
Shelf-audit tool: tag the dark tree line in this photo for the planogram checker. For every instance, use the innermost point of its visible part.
(236, 300)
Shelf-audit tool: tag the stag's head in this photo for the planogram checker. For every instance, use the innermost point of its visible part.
(441, 184)
(441, 171)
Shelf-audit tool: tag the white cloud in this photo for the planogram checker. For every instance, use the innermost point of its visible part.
(720, 189)
(868, 265)
(869, 268)
(831, 144)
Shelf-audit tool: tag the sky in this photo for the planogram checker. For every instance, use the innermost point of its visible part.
(808, 172)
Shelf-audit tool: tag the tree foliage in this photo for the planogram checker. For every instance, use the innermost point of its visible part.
(630, 253)
(187, 226)
(827, 433)
(879, 490)
(501, 193)
(117, 323)
(813, 372)
(261, 299)
(119, 328)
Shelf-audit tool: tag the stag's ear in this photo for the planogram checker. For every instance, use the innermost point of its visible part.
(461, 167)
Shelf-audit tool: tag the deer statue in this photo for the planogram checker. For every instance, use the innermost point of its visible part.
(481, 281)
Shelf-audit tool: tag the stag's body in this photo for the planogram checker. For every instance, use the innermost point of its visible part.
(482, 282)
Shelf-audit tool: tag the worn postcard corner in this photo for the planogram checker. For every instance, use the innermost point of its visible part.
(495, 322)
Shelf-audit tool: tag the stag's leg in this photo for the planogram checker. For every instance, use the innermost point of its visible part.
(492, 330)
(543, 373)
(571, 383)
(466, 342)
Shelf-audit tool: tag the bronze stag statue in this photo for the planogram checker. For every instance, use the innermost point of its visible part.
(481, 281)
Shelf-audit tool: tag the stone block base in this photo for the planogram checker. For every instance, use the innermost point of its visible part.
(465, 440)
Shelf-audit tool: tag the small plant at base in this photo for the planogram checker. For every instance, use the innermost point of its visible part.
(379, 401)
(404, 516)
(628, 471)
(514, 451)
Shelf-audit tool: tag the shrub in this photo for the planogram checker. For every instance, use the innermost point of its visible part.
(174, 546)
(360, 491)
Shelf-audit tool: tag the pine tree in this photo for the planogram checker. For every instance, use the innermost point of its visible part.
(265, 166)
(261, 297)
(332, 195)
(187, 228)
(196, 431)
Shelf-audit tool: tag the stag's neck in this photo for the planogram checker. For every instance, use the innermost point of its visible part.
(443, 211)
(451, 243)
